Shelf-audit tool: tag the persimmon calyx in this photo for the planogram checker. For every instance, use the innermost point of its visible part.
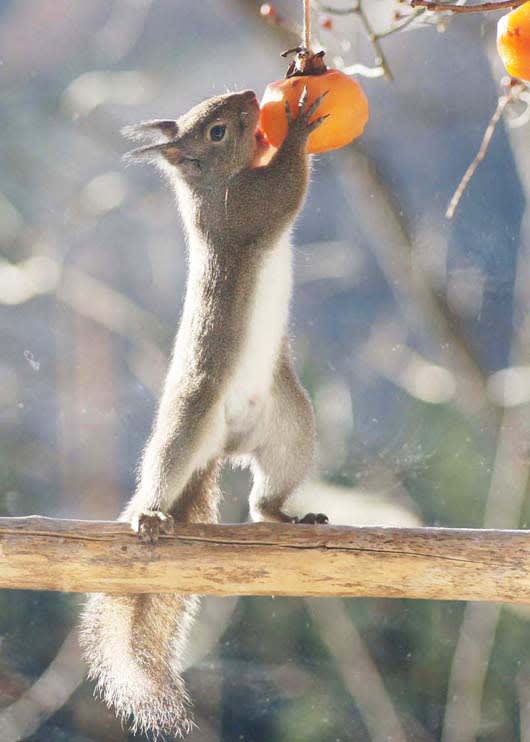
(305, 62)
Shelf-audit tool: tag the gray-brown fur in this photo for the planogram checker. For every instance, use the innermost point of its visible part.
(283, 466)
(234, 217)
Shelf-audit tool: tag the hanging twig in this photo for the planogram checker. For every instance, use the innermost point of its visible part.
(307, 25)
(514, 88)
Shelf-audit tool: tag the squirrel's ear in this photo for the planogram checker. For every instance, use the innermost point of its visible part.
(152, 152)
(151, 131)
(167, 152)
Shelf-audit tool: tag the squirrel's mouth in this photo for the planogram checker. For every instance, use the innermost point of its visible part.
(264, 150)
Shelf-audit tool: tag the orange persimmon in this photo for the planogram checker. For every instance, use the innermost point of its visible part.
(345, 103)
(513, 41)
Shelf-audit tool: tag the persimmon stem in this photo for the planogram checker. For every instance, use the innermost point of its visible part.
(480, 8)
(307, 25)
(503, 101)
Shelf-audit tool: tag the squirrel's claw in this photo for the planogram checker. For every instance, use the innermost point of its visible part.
(302, 123)
(310, 518)
(150, 524)
(315, 104)
(302, 100)
(317, 122)
(314, 518)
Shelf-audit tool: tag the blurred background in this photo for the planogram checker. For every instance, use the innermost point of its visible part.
(410, 332)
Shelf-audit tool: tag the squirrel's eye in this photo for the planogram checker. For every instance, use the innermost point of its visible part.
(217, 132)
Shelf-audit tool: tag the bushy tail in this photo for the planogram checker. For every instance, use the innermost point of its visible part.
(134, 644)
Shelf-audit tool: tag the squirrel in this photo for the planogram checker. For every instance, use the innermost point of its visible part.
(231, 391)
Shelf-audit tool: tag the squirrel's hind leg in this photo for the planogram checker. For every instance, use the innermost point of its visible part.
(283, 457)
(200, 498)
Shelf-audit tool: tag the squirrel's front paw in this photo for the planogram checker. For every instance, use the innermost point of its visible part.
(302, 126)
(151, 523)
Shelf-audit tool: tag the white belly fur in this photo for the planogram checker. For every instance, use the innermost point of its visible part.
(250, 384)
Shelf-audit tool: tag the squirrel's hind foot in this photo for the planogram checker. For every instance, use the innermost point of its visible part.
(312, 518)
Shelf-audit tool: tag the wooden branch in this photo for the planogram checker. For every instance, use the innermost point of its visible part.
(265, 559)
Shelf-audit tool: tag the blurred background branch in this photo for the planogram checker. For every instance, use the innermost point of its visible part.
(506, 498)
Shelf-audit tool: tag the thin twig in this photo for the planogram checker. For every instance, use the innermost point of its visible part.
(401, 25)
(339, 11)
(374, 41)
(382, 67)
(373, 36)
(481, 8)
(354, 9)
(503, 101)
(362, 70)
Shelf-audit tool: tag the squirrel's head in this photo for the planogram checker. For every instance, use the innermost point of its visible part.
(215, 139)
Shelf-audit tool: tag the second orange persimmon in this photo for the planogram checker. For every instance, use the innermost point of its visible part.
(345, 103)
(513, 41)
